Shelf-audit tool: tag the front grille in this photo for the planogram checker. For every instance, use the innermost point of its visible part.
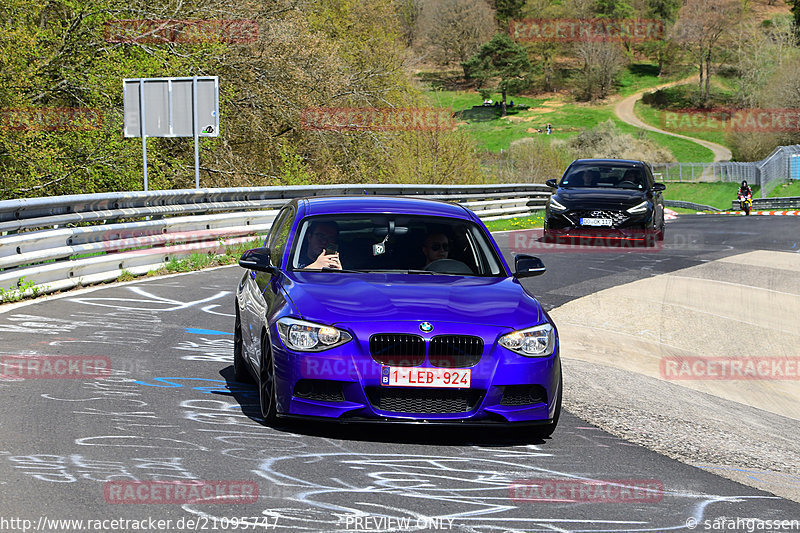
(396, 349)
(423, 401)
(523, 395)
(319, 389)
(617, 217)
(455, 351)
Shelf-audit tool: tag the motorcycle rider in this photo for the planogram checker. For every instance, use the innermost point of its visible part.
(745, 197)
(745, 190)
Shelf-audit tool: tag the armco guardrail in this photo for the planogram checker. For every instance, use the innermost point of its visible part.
(786, 202)
(689, 205)
(43, 239)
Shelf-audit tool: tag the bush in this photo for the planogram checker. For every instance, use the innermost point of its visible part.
(606, 141)
(533, 160)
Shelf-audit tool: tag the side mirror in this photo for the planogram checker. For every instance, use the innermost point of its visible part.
(257, 259)
(659, 187)
(551, 183)
(526, 266)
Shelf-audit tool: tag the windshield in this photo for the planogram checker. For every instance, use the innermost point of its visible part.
(395, 243)
(605, 176)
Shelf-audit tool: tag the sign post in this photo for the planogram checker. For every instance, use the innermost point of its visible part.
(171, 107)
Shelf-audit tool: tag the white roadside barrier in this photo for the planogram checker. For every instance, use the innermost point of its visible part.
(56, 243)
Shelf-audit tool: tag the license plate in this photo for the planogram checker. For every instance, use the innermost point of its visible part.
(596, 222)
(399, 376)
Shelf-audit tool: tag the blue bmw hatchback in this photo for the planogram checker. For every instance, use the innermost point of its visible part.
(397, 310)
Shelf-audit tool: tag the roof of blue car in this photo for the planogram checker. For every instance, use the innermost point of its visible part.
(322, 205)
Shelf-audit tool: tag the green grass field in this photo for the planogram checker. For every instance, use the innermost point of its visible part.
(567, 118)
(535, 220)
(639, 76)
(655, 117)
(787, 189)
(719, 195)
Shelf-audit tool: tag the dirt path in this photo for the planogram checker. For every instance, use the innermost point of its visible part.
(624, 110)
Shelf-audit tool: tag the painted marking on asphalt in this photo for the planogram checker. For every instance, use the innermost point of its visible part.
(200, 331)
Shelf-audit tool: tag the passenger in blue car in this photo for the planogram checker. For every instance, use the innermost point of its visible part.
(320, 250)
(435, 247)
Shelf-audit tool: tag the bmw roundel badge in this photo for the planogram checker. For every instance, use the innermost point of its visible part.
(426, 327)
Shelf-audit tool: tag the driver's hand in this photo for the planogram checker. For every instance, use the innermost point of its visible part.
(326, 261)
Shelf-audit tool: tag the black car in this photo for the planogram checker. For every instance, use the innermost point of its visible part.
(607, 199)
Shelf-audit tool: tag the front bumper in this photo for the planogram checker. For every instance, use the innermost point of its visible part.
(344, 384)
(625, 228)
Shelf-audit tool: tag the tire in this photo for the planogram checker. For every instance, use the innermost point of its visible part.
(267, 395)
(240, 371)
(747, 208)
(545, 431)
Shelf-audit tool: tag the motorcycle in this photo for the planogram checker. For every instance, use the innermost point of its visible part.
(745, 203)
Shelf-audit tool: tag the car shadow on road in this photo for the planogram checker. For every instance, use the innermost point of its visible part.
(490, 435)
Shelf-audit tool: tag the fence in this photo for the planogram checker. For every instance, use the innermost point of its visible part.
(781, 165)
(62, 242)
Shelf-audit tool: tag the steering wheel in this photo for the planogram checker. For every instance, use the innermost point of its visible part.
(448, 266)
(627, 184)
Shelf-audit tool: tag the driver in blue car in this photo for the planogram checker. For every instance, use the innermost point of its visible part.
(435, 247)
(320, 248)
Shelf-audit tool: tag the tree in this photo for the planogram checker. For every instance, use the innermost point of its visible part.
(701, 27)
(662, 50)
(796, 15)
(453, 30)
(500, 58)
(543, 53)
(326, 53)
(408, 12)
(602, 62)
(615, 9)
(506, 10)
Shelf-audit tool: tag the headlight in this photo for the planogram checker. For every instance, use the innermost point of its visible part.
(555, 206)
(306, 336)
(637, 209)
(538, 341)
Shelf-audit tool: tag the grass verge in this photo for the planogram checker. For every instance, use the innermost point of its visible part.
(786, 189)
(534, 220)
(719, 195)
(655, 117)
(199, 261)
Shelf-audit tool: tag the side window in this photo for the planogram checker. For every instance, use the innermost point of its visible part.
(280, 234)
(650, 179)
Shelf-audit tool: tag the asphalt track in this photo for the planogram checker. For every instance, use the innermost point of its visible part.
(171, 411)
